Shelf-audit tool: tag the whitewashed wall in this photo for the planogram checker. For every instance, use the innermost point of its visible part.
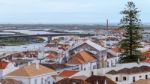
(42, 79)
(10, 68)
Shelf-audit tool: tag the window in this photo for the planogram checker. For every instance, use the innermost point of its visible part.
(94, 67)
(42, 80)
(116, 78)
(107, 64)
(111, 63)
(146, 76)
(35, 81)
(133, 79)
(115, 60)
(92, 73)
(48, 78)
(97, 82)
(124, 78)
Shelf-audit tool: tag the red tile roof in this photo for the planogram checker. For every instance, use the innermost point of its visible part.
(116, 49)
(147, 60)
(142, 81)
(118, 30)
(80, 77)
(52, 55)
(82, 58)
(10, 81)
(3, 64)
(68, 73)
(147, 54)
(71, 81)
(31, 70)
(133, 70)
(99, 80)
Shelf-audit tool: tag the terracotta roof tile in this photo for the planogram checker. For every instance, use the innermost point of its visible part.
(132, 70)
(147, 54)
(52, 55)
(68, 73)
(80, 77)
(81, 58)
(118, 30)
(30, 70)
(71, 81)
(142, 81)
(3, 64)
(147, 60)
(116, 49)
(100, 79)
(10, 81)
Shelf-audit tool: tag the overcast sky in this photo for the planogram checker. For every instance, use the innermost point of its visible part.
(67, 11)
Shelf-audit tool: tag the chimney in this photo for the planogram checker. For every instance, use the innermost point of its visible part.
(29, 63)
(92, 73)
(37, 65)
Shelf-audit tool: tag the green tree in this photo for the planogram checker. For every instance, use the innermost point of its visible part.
(132, 36)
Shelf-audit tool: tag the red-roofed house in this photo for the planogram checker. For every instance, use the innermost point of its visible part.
(83, 60)
(113, 56)
(3, 64)
(147, 54)
(6, 67)
(147, 60)
(52, 56)
(67, 73)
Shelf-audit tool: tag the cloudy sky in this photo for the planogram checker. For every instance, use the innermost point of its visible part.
(67, 11)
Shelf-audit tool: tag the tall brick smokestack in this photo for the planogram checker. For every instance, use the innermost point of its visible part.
(107, 24)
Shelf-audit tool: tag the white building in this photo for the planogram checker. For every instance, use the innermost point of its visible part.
(129, 75)
(32, 74)
(6, 67)
(122, 74)
(146, 36)
(98, 51)
(112, 61)
(113, 57)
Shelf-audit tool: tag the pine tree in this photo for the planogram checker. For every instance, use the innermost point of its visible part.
(132, 36)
